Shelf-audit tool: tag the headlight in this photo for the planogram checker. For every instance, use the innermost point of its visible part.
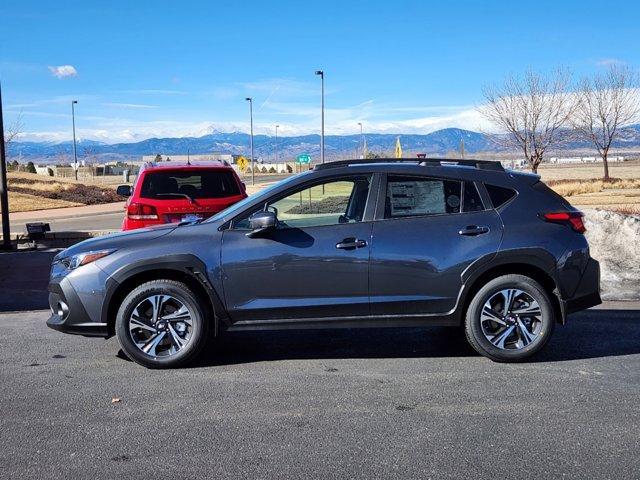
(79, 259)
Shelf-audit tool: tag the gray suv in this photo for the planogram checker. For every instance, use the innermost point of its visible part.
(361, 243)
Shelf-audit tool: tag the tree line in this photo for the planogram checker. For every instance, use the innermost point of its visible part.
(536, 112)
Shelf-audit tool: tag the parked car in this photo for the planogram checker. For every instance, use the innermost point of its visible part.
(172, 193)
(372, 243)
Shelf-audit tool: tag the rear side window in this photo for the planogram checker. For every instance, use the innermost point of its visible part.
(167, 185)
(471, 198)
(499, 195)
(414, 196)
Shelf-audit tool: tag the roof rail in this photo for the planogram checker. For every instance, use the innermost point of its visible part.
(425, 162)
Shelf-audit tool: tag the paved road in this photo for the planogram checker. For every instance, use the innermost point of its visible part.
(105, 221)
(389, 403)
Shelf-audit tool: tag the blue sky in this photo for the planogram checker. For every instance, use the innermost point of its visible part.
(142, 69)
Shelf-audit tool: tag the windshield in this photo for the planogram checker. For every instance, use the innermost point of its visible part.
(237, 207)
(172, 184)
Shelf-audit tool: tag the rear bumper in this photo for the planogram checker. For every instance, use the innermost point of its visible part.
(68, 314)
(588, 292)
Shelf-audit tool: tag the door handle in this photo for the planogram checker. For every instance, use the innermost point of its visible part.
(351, 244)
(473, 230)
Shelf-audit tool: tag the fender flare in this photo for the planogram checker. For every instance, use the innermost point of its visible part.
(187, 264)
(533, 256)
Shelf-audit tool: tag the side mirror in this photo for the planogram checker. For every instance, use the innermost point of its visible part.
(124, 190)
(261, 222)
(244, 187)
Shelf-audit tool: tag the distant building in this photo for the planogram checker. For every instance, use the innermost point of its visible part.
(611, 158)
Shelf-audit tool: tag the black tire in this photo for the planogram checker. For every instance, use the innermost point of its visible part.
(199, 327)
(473, 328)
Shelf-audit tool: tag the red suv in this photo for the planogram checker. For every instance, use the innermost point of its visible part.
(170, 193)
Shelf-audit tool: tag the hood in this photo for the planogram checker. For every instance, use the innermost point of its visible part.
(117, 240)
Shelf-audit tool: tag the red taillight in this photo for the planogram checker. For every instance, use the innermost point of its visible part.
(573, 219)
(140, 211)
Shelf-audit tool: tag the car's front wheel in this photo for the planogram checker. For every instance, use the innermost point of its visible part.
(509, 319)
(161, 324)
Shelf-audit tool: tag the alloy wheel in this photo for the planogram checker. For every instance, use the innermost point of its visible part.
(160, 325)
(511, 319)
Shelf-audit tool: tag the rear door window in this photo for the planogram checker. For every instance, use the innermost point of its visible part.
(419, 196)
(471, 198)
(172, 184)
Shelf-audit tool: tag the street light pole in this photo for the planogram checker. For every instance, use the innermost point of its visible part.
(277, 157)
(253, 172)
(321, 74)
(361, 142)
(73, 121)
(4, 195)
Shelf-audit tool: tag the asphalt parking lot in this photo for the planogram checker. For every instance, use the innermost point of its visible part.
(388, 403)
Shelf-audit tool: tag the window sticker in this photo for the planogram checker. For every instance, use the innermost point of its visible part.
(417, 198)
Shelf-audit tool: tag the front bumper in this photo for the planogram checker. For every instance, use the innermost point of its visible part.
(68, 312)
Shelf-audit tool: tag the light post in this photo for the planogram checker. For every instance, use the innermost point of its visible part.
(277, 158)
(321, 74)
(361, 142)
(253, 172)
(4, 196)
(75, 155)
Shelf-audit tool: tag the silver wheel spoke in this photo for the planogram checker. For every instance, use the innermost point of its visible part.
(490, 315)
(499, 339)
(182, 314)
(157, 302)
(178, 342)
(532, 310)
(525, 335)
(151, 345)
(136, 323)
(509, 296)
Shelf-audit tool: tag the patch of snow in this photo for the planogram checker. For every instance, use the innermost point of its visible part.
(614, 240)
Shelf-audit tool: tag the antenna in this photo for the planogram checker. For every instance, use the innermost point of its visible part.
(188, 157)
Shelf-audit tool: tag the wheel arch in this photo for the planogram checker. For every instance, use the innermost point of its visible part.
(187, 269)
(533, 266)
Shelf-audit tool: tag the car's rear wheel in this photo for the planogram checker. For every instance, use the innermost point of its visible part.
(510, 318)
(161, 324)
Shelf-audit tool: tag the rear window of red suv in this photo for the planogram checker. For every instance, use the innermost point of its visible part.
(168, 185)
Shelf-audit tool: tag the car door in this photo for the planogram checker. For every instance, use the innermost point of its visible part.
(315, 264)
(429, 230)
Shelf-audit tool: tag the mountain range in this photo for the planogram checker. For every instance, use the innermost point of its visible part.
(436, 143)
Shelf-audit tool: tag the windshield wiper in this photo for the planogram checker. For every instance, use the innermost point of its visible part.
(191, 200)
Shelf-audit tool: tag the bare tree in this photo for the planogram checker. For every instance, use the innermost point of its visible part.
(606, 103)
(13, 130)
(531, 111)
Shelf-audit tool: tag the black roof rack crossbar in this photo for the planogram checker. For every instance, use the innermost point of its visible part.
(431, 162)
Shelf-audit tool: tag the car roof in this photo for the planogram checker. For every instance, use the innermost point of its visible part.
(474, 170)
(174, 165)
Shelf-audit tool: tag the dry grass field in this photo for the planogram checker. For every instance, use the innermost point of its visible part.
(28, 191)
(583, 187)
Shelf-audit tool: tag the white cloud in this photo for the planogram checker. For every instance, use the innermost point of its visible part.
(63, 71)
(609, 62)
(128, 105)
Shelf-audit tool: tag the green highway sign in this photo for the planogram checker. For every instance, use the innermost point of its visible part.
(304, 158)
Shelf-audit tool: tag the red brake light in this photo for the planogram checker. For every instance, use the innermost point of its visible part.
(573, 219)
(140, 211)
